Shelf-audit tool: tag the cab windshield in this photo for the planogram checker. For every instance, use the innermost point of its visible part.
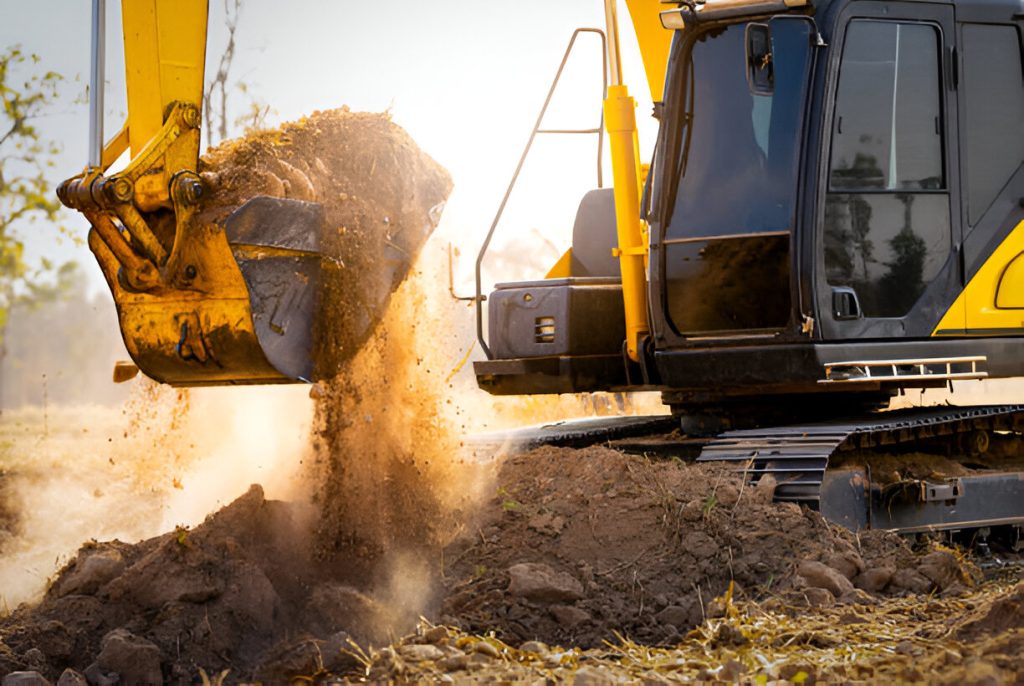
(734, 165)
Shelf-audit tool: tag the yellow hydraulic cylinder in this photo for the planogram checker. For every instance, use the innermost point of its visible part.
(620, 120)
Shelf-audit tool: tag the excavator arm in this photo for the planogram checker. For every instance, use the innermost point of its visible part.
(191, 310)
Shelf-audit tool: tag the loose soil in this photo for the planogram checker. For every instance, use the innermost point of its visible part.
(576, 547)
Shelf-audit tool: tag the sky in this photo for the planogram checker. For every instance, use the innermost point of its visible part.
(466, 79)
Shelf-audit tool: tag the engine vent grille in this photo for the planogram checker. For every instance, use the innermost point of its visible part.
(544, 330)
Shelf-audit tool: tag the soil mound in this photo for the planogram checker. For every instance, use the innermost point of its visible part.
(223, 595)
(577, 545)
(574, 547)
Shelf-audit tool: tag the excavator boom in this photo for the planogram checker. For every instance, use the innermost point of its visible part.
(198, 302)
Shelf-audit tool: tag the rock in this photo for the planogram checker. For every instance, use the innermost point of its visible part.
(35, 659)
(55, 641)
(910, 580)
(535, 647)
(134, 659)
(817, 575)
(764, 491)
(97, 677)
(941, 568)
(848, 563)
(818, 597)
(25, 679)
(90, 572)
(486, 649)
(454, 663)
(874, 580)
(568, 616)
(540, 583)
(692, 511)
(339, 607)
(72, 678)
(421, 652)
(435, 635)
(856, 596)
(250, 595)
(727, 495)
(678, 616)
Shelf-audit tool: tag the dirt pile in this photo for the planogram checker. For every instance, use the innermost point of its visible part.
(219, 596)
(579, 544)
(574, 548)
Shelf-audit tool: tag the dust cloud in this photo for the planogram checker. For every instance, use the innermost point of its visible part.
(166, 458)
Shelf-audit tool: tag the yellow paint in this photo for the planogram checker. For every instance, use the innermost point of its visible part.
(164, 56)
(654, 41)
(994, 297)
(620, 120)
(562, 268)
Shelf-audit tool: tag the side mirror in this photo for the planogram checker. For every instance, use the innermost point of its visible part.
(760, 72)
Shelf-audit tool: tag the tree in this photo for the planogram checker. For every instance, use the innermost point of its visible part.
(26, 195)
(215, 97)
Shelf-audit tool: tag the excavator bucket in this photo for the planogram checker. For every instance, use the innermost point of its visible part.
(229, 295)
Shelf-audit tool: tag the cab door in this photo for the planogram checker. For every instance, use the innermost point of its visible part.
(888, 230)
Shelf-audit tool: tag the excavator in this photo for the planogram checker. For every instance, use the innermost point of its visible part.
(832, 217)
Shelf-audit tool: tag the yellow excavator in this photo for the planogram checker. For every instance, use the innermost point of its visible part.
(832, 215)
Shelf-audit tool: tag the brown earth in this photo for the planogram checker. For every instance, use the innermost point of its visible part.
(575, 547)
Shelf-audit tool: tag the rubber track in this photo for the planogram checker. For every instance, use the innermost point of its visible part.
(797, 456)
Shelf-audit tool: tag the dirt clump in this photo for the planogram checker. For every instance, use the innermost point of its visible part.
(382, 197)
(650, 545)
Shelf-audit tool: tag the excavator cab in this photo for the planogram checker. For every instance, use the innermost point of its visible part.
(199, 302)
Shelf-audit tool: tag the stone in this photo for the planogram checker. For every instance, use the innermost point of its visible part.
(873, 580)
(70, 677)
(764, 490)
(818, 597)
(678, 616)
(95, 676)
(92, 571)
(692, 511)
(941, 568)
(535, 647)
(435, 635)
(818, 575)
(134, 659)
(568, 616)
(727, 495)
(540, 583)
(848, 563)
(486, 649)
(25, 679)
(421, 652)
(910, 580)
